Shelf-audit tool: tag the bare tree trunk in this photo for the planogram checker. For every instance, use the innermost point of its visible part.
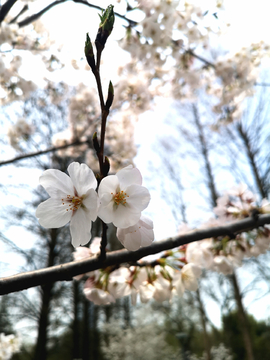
(86, 335)
(207, 344)
(75, 327)
(46, 296)
(127, 310)
(243, 320)
(251, 157)
(204, 149)
(244, 325)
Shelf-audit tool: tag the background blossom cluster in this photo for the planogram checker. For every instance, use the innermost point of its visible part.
(162, 276)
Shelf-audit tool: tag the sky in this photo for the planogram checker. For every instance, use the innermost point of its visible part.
(249, 22)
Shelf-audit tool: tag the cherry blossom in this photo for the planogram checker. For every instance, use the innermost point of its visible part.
(72, 199)
(118, 283)
(187, 278)
(138, 235)
(9, 344)
(98, 296)
(122, 198)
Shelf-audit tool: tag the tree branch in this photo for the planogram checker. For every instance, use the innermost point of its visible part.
(41, 152)
(36, 16)
(4, 9)
(66, 271)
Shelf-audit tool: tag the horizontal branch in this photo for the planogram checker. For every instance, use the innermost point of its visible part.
(67, 271)
(41, 152)
(36, 16)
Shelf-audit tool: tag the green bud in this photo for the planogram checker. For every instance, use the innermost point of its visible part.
(110, 96)
(96, 143)
(107, 19)
(105, 26)
(89, 53)
(106, 166)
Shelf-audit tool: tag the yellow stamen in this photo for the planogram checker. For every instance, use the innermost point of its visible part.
(74, 202)
(120, 198)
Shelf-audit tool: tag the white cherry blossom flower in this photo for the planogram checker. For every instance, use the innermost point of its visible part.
(83, 252)
(200, 254)
(223, 264)
(138, 235)
(187, 278)
(122, 198)
(119, 283)
(71, 199)
(96, 295)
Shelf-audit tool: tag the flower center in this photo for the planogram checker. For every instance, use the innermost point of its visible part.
(120, 198)
(74, 202)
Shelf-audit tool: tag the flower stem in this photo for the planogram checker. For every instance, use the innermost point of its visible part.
(103, 243)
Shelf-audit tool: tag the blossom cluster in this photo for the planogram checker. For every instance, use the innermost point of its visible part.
(13, 85)
(120, 200)
(171, 273)
(9, 344)
(21, 130)
(164, 40)
(146, 281)
(225, 253)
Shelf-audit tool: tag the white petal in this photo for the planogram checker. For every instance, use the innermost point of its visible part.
(110, 184)
(106, 212)
(82, 177)
(147, 236)
(124, 216)
(147, 222)
(139, 196)
(56, 183)
(91, 203)
(80, 227)
(179, 286)
(105, 199)
(130, 238)
(129, 175)
(52, 214)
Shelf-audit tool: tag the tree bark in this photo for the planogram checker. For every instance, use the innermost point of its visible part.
(243, 321)
(251, 157)
(75, 327)
(205, 154)
(207, 343)
(46, 296)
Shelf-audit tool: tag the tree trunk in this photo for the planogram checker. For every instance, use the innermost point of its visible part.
(204, 149)
(207, 343)
(243, 321)
(251, 157)
(46, 296)
(75, 327)
(86, 340)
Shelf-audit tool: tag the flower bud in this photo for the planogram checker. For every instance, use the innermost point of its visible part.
(110, 96)
(96, 143)
(88, 50)
(105, 27)
(106, 165)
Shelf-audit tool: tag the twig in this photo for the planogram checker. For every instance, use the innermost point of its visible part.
(41, 152)
(36, 16)
(66, 271)
(4, 9)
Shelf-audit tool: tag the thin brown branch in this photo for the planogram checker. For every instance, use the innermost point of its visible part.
(4, 9)
(24, 9)
(66, 271)
(36, 16)
(41, 152)
(192, 53)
